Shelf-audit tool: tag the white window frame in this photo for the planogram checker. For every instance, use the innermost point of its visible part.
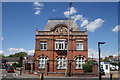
(79, 45)
(42, 62)
(61, 63)
(61, 45)
(79, 62)
(43, 43)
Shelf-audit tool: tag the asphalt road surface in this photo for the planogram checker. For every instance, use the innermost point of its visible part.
(5, 74)
(11, 76)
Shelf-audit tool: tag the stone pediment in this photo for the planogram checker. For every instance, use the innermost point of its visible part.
(60, 29)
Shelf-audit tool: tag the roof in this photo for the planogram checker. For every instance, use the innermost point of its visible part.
(52, 23)
(11, 59)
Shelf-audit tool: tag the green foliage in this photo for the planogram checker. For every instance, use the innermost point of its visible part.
(88, 66)
(115, 64)
(11, 55)
(19, 54)
(14, 64)
(1, 55)
(106, 60)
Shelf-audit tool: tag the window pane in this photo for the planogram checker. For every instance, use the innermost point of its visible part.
(42, 62)
(79, 62)
(79, 45)
(61, 63)
(43, 45)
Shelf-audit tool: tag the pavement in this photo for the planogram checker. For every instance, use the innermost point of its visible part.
(17, 76)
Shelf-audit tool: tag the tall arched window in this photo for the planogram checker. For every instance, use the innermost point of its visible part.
(61, 63)
(42, 62)
(79, 62)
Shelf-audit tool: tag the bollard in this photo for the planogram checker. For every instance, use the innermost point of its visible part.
(41, 76)
(110, 76)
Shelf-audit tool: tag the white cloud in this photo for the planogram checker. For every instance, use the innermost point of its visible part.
(54, 10)
(31, 52)
(77, 17)
(38, 7)
(16, 49)
(84, 23)
(1, 51)
(116, 28)
(38, 4)
(92, 26)
(37, 12)
(1, 38)
(72, 11)
(92, 53)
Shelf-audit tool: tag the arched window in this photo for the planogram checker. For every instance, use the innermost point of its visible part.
(79, 62)
(42, 62)
(61, 63)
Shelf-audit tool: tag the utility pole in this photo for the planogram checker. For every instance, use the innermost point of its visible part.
(99, 59)
(67, 61)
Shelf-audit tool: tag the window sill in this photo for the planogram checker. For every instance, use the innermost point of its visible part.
(61, 69)
(79, 69)
(42, 68)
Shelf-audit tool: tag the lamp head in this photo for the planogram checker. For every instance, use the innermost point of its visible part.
(101, 42)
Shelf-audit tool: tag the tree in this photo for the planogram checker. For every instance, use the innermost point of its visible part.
(11, 55)
(1, 55)
(106, 60)
(15, 65)
(88, 66)
(19, 54)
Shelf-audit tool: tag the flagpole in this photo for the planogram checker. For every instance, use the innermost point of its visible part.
(66, 72)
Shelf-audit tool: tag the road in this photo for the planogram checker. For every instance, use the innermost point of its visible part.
(16, 76)
(4, 74)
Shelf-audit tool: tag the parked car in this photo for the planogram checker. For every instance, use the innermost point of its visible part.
(102, 72)
(112, 68)
(3, 67)
(10, 69)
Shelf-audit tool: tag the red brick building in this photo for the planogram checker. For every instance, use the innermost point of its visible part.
(51, 49)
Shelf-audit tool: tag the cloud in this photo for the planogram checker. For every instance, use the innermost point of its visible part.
(77, 17)
(84, 23)
(31, 52)
(37, 12)
(54, 10)
(1, 51)
(92, 53)
(1, 38)
(92, 26)
(116, 28)
(38, 4)
(72, 11)
(38, 7)
(16, 49)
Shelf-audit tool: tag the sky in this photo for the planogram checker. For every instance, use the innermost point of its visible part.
(20, 20)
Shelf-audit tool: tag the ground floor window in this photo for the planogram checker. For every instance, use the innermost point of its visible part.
(61, 63)
(27, 66)
(79, 62)
(42, 62)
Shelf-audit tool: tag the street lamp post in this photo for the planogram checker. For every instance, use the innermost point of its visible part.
(68, 41)
(99, 58)
(21, 60)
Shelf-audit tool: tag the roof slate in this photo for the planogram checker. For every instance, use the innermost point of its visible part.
(52, 23)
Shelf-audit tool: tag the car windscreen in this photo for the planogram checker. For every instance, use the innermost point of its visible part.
(10, 68)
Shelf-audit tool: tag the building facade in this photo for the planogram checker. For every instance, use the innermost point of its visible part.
(51, 48)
